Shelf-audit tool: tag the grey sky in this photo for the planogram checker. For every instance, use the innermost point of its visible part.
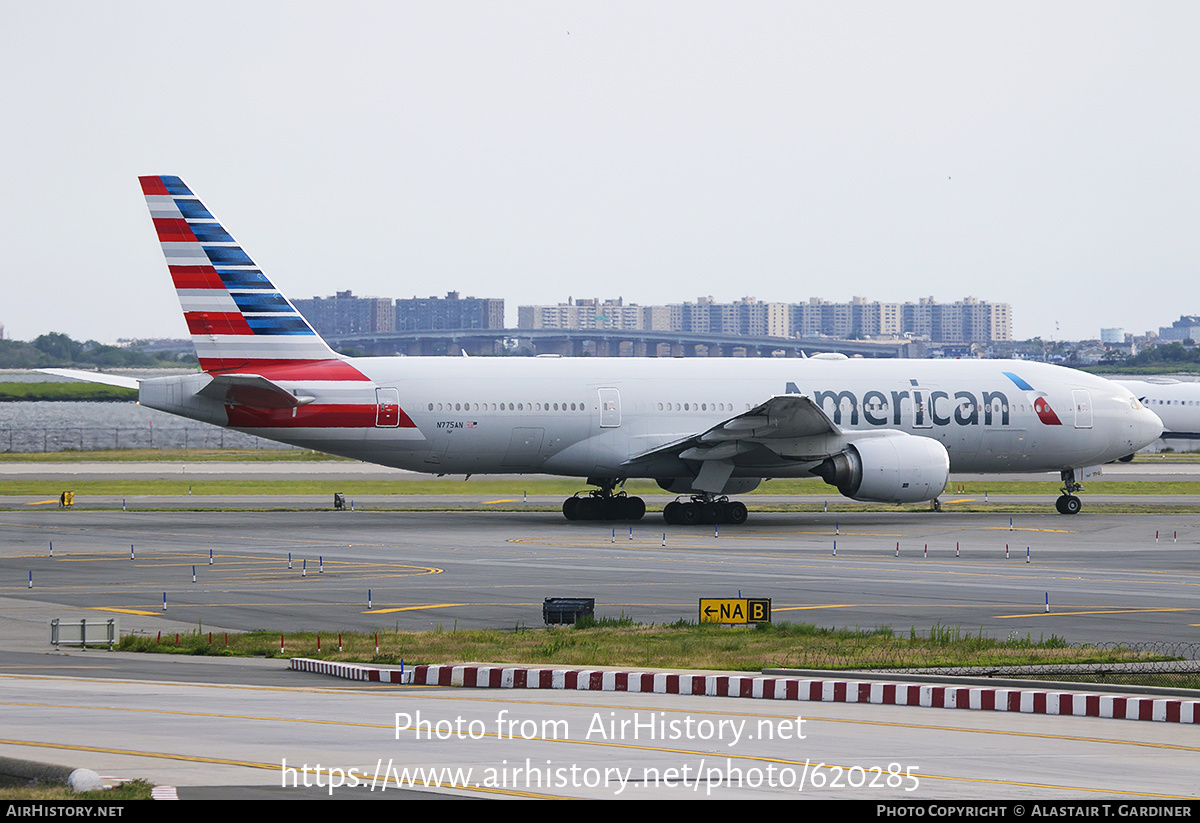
(1041, 154)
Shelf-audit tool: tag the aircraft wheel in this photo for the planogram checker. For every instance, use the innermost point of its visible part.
(671, 512)
(589, 508)
(635, 508)
(570, 508)
(736, 513)
(1071, 504)
(688, 514)
(712, 513)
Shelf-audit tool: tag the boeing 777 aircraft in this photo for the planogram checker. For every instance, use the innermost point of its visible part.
(1176, 402)
(885, 431)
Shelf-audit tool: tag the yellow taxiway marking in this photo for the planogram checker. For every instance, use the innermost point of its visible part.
(490, 502)
(811, 608)
(1024, 529)
(135, 753)
(363, 777)
(587, 742)
(650, 536)
(41, 502)
(53, 668)
(123, 611)
(415, 608)
(1096, 611)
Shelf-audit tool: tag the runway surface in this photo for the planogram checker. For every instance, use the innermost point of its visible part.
(196, 721)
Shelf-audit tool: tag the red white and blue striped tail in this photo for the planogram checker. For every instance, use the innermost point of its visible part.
(237, 318)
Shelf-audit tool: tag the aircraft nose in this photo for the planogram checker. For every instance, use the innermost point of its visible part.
(1149, 427)
(1146, 427)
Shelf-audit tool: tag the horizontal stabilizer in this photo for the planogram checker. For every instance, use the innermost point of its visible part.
(95, 377)
(251, 390)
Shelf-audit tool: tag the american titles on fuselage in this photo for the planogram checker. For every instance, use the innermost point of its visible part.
(877, 408)
(924, 408)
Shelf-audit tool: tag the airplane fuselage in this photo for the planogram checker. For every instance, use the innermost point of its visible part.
(587, 417)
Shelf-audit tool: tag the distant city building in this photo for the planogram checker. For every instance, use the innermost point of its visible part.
(591, 313)
(344, 313)
(967, 321)
(1112, 336)
(449, 312)
(1186, 327)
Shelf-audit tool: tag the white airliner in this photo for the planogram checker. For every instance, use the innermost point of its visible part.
(887, 431)
(1176, 402)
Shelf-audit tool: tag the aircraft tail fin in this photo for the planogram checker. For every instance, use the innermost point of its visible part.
(237, 318)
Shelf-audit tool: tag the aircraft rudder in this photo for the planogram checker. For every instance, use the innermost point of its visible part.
(234, 313)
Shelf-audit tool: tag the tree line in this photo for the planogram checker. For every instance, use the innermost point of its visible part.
(59, 350)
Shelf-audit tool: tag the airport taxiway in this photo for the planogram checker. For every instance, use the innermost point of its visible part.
(1108, 578)
(210, 722)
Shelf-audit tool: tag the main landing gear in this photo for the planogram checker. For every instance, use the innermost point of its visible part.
(706, 509)
(604, 504)
(1068, 503)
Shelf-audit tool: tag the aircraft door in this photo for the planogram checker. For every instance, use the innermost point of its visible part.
(387, 414)
(610, 408)
(1083, 408)
(524, 448)
(922, 415)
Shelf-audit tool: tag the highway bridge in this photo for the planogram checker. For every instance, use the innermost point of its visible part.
(609, 343)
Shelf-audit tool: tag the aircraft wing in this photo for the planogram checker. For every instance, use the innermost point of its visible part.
(790, 426)
(95, 377)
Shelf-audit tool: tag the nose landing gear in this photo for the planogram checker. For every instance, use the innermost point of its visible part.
(1068, 503)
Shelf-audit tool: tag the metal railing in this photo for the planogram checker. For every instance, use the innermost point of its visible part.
(1167, 665)
(83, 633)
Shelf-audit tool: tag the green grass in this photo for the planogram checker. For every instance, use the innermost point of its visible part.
(356, 488)
(65, 391)
(132, 790)
(1132, 487)
(682, 645)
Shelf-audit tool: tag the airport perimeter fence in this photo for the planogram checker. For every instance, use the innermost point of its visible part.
(1168, 665)
(28, 440)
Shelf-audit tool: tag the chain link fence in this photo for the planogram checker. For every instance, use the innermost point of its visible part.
(28, 439)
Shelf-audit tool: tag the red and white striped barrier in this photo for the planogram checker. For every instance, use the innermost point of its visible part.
(1028, 701)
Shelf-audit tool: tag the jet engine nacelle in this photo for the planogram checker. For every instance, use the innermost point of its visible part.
(897, 469)
(734, 485)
